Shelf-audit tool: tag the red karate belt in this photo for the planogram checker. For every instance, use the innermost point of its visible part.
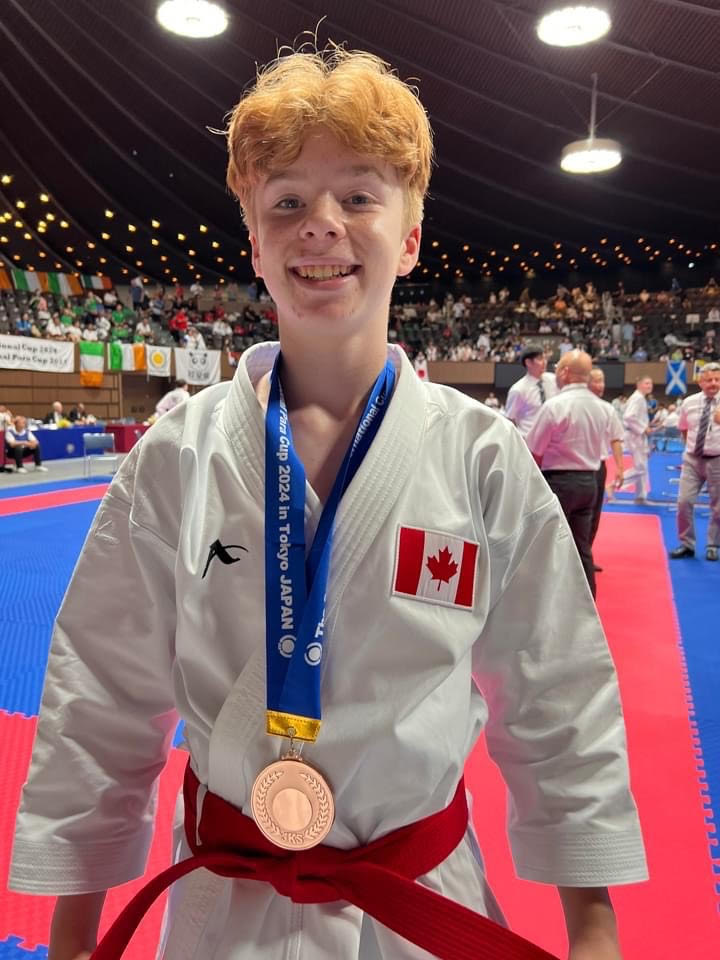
(379, 878)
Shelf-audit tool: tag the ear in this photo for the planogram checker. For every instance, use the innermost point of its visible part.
(410, 251)
(255, 247)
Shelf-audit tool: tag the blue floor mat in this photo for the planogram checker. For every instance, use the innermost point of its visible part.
(10, 949)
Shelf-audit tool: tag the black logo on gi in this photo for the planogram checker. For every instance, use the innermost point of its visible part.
(221, 552)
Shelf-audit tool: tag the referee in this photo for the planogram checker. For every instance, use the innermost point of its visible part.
(700, 426)
(569, 439)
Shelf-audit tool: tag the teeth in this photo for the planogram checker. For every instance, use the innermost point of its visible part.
(324, 272)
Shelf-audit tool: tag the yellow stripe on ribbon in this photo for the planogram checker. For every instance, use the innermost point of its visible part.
(292, 726)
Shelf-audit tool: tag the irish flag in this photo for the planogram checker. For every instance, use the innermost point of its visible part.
(126, 356)
(435, 567)
(92, 363)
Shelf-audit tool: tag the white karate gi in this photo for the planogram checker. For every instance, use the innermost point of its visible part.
(635, 422)
(142, 635)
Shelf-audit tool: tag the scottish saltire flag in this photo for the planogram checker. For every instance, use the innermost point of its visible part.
(676, 378)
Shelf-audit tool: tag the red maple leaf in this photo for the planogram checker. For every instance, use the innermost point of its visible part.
(442, 567)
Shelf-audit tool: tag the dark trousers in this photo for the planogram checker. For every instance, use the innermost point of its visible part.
(19, 451)
(600, 477)
(577, 492)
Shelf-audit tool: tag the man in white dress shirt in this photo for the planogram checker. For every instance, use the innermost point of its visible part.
(569, 440)
(699, 424)
(636, 421)
(529, 393)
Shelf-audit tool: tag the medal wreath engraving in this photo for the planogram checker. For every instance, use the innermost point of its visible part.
(292, 804)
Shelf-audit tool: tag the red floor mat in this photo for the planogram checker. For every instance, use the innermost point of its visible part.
(675, 914)
(54, 498)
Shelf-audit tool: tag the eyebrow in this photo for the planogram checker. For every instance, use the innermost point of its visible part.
(357, 170)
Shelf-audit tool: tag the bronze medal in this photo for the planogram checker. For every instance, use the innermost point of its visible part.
(292, 804)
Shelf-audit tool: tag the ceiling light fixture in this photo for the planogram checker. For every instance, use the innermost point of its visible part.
(572, 26)
(198, 19)
(592, 155)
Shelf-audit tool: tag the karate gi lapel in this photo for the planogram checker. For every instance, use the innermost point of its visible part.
(363, 511)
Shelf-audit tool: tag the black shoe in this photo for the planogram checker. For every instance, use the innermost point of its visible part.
(679, 552)
(597, 569)
(711, 553)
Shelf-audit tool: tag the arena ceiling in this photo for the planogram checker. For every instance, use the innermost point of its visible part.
(102, 110)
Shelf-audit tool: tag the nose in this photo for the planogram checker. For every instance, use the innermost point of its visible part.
(323, 219)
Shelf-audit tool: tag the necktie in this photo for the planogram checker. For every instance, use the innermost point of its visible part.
(702, 428)
(541, 388)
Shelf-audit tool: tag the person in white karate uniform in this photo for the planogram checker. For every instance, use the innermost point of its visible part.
(636, 421)
(455, 601)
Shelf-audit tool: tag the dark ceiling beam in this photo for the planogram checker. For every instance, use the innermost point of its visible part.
(620, 47)
(98, 188)
(124, 159)
(476, 47)
(568, 132)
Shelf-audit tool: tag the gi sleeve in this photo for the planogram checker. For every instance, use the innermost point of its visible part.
(555, 724)
(107, 717)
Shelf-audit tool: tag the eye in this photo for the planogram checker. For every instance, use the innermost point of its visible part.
(359, 199)
(288, 203)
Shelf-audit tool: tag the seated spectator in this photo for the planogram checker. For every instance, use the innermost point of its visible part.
(492, 401)
(6, 417)
(74, 333)
(221, 333)
(195, 340)
(23, 325)
(178, 326)
(19, 441)
(109, 298)
(711, 288)
(90, 332)
(56, 414)
(41, 305)
(640, 355)
(143, 331)
(103, 327)
(78, 414)
(121, 331)
(673, 416)
(54, 329)
(157, 308)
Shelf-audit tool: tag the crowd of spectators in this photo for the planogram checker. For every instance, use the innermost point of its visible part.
(612, 325)
(620, 326)
(223, 319)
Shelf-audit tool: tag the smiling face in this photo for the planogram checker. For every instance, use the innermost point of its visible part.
(328, 236)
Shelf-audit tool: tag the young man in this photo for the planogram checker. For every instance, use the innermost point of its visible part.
(447, 556)
(636, 421)
(529, 393)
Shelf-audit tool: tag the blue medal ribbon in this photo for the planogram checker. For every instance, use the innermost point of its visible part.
(296, 587)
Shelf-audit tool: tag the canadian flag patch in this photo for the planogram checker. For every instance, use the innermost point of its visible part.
(435, 567)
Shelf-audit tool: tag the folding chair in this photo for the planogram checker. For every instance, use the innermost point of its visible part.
(102, 442)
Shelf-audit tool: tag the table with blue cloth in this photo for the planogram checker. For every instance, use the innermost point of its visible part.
(64, 442)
